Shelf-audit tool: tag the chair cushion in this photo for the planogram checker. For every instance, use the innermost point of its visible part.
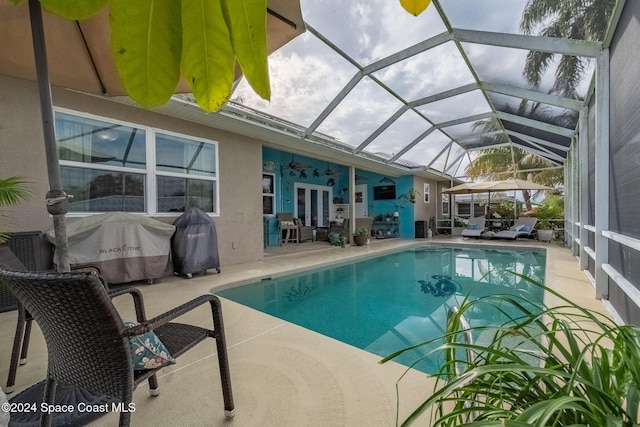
(516, 227)
(472, 226)
(526, 229)
(148, 352)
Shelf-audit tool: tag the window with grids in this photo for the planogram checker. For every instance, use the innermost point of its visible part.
(110, 166)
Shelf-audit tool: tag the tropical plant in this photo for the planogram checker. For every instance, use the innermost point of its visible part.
(409, 196)
(505, 210)
(460, 222)
(546, 366)
(511, 161)
(571, 19)
(551, 208)
(152, 42)
(12, 190)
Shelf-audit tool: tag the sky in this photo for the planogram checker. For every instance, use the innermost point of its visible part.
(306, 74)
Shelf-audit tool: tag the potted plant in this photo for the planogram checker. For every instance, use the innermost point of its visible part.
(549, 209)
(361, 236)
(337, 239)
(545, 229)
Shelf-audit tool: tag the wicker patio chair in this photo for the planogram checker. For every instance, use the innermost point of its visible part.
(23, 327)
(88, 342)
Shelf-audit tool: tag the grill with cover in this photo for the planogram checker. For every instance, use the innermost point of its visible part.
(195, 244)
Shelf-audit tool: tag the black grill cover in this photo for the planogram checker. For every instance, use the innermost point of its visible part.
(195, 243)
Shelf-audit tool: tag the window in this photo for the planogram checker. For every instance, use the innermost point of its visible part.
(426, 190)
(464, 209)
(108, 166)
(445, 205)
(186, 172)
(268, 194)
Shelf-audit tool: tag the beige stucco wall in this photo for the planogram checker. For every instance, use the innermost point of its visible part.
(424, 211)
(239, 225)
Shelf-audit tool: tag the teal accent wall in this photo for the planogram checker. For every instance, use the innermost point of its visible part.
(313, 171)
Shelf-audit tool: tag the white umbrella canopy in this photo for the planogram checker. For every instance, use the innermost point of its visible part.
(78, 55)
(513, 184)
(493, 186)
(468, 188)
(516, 184)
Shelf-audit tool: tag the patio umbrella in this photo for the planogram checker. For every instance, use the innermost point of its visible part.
(468, 188)
(488, 186)
(78, 56)
(513, 184)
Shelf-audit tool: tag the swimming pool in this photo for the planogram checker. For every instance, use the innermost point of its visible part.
(396, 300)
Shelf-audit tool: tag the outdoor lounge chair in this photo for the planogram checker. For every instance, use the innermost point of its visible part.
(475, 227)
(88, 343)
(524, 227)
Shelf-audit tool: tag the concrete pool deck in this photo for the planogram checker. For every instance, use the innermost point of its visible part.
(282, 374)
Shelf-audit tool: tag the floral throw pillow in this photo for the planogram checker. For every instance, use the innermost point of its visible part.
(287, 223)
(148, 352)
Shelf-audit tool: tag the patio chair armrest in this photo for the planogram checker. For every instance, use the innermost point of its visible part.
(138, 302)
(168, 316)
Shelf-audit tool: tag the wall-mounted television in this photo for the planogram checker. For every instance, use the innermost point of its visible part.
(384, 192)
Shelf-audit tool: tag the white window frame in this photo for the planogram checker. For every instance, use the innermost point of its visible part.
(426, 192)
(446, 200)
(272, 195)
(150, 171)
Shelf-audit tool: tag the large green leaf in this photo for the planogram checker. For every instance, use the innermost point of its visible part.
(207, 55)
(146, 40)
(247, 20)
(73, 9)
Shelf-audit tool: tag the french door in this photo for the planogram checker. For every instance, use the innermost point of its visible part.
(313, 204)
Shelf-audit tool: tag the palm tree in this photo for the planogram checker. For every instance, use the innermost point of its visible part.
(12, 191)
(494, 163)
(570, 19)
(514, 162)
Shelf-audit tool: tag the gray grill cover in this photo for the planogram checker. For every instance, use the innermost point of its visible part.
(195, 243)
(125, 247)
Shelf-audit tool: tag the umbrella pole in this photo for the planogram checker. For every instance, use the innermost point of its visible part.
(57, 202)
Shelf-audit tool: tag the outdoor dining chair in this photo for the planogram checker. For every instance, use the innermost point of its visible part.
(23, 326)
(88, 342)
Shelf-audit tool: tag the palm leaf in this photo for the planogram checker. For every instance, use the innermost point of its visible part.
(12, 191)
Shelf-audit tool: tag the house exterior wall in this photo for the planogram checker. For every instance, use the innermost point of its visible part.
(424, 211)
(239, 225)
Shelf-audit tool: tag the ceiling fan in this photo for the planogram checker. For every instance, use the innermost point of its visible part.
(331, 172)
(297, 167)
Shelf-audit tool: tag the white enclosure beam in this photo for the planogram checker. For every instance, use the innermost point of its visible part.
(518, 41)
(532, 95)
(547, 127)
(583, 155)
(602, 173)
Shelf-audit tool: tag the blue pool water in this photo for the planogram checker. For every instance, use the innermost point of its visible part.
(391, 302)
